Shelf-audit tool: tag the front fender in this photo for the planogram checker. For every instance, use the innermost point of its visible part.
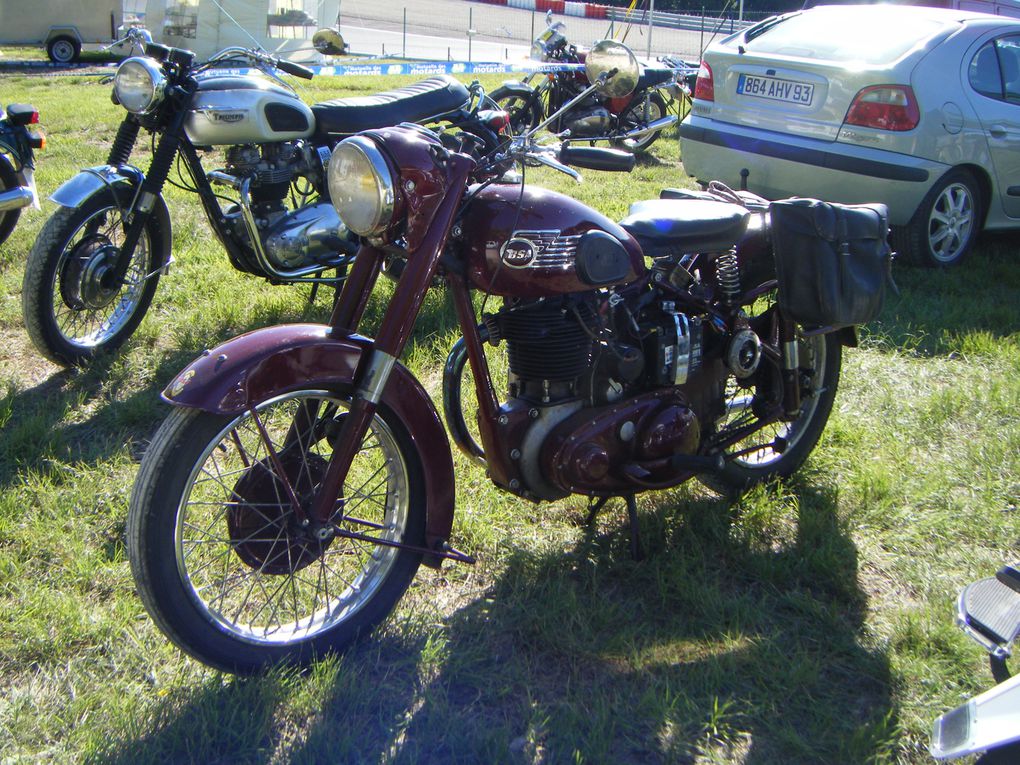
(516, 88)
(260, 365)
(76, 191)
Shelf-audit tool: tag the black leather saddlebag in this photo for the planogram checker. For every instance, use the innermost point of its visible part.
(832, 260)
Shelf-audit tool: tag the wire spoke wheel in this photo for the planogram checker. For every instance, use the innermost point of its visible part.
(248, 569)
(88, 311)
(73, 304)
(774, 445)
(241, 549)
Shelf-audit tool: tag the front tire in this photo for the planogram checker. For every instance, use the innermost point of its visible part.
(70, 313)
(945, 224)
(219, 557)
(781, 447)
(524, 112)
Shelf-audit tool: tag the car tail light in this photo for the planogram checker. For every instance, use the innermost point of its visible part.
(704, 87)
(885, 107)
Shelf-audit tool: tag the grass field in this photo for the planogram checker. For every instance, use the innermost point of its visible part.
(807, 623)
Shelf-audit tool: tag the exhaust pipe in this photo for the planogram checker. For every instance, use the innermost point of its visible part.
(651, 127)
(16, 198)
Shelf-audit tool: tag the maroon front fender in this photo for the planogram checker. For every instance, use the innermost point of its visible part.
(266, 363)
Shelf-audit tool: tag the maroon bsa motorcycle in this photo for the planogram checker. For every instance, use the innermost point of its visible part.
(304, 474)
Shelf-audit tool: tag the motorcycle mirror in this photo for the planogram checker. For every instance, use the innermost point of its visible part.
(329, 42)
(607, 56)
(548, 17)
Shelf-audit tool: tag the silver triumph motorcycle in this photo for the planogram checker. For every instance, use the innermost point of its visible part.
(95, 265)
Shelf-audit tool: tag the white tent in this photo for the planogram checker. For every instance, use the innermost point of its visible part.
(282, 27)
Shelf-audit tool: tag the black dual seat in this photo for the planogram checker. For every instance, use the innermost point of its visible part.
(685, 225)
(652, 76)
(412, 103)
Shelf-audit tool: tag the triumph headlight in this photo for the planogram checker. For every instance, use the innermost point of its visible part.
(361, 186)
(139, 85)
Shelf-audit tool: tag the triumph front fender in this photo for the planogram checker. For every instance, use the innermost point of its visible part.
(255, 367)
(76, 191)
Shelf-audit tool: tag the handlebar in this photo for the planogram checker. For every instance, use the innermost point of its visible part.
(295, 69)
(596, 158)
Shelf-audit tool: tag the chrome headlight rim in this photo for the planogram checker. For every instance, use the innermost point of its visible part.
(157, 83)
(385, 184)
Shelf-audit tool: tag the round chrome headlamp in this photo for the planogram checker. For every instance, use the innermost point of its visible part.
(361, 186)
(139, 84)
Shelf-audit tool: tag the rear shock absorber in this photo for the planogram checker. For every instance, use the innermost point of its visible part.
(727, 277)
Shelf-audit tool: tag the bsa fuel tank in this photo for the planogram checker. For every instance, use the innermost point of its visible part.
(542, 243)
(231, 109)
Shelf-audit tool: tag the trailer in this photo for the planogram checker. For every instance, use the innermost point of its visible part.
(63, 26)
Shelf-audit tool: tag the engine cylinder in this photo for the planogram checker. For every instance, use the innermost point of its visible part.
(545, 340)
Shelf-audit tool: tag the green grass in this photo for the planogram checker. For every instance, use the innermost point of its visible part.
(807, 623)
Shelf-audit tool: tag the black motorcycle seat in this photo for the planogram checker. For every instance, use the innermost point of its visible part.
(686, 225)
(653, 76)
(412, 103)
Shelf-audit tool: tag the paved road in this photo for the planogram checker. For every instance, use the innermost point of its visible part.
(436, 27)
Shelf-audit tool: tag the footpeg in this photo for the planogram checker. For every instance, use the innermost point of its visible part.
(989, 612)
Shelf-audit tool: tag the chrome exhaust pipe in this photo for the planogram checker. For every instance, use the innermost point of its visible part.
(651, 127)
(16, 198)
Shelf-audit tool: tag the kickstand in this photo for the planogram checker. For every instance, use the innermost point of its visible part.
(635, 533)
(315, 291)
(593, 508)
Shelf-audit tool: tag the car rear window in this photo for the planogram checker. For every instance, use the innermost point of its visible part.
(841, 37)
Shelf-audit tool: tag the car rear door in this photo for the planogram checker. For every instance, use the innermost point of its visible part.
(994, 79)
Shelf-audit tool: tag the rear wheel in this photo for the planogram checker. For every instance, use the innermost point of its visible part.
(637, 116)
(8, 180)
(71, 308)
(524, 112)
(944, 225)
(224, 564)
(779, 448)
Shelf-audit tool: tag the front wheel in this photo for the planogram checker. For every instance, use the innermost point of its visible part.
(72, 309)
(781, 447)
(525, 112)
(224, 564)
(637, 116)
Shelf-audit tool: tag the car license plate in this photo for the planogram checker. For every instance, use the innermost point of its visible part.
(776, 89)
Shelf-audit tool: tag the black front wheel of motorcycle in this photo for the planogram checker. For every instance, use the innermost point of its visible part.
(70, 308)
(8, 180)
(524, 113)
(781, 447)
(224, 564)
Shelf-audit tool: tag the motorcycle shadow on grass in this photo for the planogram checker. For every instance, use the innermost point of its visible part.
(739, 637)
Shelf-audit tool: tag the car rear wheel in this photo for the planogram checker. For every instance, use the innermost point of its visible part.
(944, 225)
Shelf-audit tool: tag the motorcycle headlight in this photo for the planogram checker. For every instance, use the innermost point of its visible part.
(361, 186)
(139, 85)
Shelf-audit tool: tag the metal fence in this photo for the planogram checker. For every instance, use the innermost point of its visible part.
(469, 31)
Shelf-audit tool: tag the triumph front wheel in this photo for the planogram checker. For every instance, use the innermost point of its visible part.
(226, 565)
(72, 307)
(780, 447)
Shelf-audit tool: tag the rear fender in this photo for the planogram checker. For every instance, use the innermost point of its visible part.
(260, 365)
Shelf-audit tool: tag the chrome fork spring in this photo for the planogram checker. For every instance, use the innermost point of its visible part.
(727, 276)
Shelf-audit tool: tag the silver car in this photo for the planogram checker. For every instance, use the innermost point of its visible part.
(915, 107)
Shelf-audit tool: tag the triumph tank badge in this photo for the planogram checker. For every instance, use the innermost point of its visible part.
(518, 252)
